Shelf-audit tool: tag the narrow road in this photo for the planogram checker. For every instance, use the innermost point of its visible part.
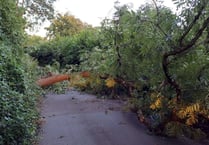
(77, 118)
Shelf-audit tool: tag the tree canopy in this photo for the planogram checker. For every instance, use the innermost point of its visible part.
(65, 25)
(36, 11)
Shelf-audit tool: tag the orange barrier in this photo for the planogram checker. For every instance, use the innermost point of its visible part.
(52, 79)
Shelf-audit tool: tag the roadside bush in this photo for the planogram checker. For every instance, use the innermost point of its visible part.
(18, 98)
(18, 72)
(66, 50)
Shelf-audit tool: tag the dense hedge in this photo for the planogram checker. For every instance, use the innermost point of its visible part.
(65, 50)
(17, 98)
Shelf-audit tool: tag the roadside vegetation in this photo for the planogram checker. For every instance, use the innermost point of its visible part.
(18, 72)
(153, 57)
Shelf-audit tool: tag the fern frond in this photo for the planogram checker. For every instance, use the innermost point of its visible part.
(182, 114)
(192, 119)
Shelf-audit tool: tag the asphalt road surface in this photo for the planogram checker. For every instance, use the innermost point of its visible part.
(76, 118)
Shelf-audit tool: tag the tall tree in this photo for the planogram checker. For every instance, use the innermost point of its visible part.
(65, 25)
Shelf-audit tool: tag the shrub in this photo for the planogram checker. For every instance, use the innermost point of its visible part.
(18, 98)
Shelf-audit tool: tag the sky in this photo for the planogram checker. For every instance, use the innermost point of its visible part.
(91, 11)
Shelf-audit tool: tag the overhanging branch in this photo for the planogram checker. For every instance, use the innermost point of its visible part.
(191, 25)
(178, 51)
